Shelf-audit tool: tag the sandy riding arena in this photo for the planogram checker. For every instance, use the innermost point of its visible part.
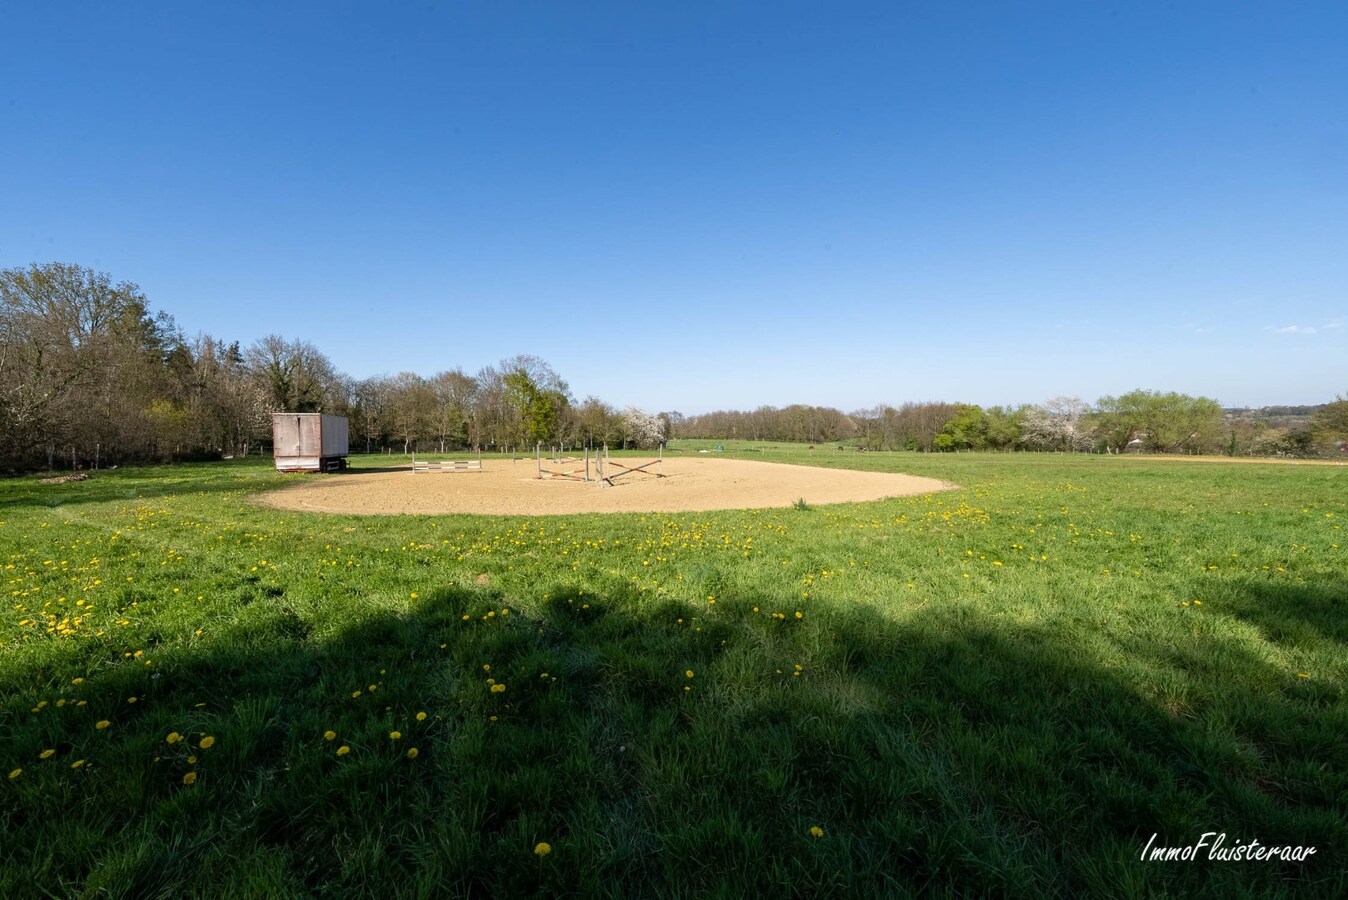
(512, 488)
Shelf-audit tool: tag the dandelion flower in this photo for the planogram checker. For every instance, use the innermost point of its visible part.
(355, 693)
(412, 753)
(173, 738)
(207, 742)
(329, 735)
(816, 831)
(421, 717)
(101, 725)
(498, 688)
(343, 750)
(77, 763)
(190, 778)
(395, 735)
(46, 754)
(689, 673)
(15, 774)
(542, 848)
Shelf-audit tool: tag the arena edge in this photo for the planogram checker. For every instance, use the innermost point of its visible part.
(1241, 852)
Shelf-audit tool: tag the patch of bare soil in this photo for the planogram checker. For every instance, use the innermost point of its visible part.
(504, 487)
(66, 479)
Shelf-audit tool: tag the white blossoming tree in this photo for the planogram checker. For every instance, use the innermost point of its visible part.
(643, 429)
(1057, 424)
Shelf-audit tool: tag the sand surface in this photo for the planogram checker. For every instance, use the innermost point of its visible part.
(504, 487)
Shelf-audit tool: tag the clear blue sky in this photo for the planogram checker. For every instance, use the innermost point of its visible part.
(701, 205)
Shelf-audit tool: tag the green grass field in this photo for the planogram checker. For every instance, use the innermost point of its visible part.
(1003, 690)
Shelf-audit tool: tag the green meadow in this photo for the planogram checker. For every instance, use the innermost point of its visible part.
(1001, 690)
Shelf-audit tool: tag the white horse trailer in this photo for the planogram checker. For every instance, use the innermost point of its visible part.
(309, 442)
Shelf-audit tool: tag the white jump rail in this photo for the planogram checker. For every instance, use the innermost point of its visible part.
(448, 465)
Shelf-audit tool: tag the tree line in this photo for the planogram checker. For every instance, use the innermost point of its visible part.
(1138, 421)
(90, 375)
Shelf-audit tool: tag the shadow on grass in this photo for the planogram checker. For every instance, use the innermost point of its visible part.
(1299, 614)
(132, 484)
(947, 753)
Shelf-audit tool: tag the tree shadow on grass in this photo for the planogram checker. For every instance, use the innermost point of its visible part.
(660, 750)
(1296, 613)
(132, 484)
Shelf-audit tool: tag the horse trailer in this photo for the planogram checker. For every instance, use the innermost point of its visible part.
(309, 442)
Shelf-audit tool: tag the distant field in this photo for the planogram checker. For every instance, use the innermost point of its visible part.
(1005, 689)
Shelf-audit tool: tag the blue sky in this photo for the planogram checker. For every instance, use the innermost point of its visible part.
(711, 205)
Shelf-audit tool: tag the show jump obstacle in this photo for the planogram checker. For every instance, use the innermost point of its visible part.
(448, 465)
(602, 472)
(580, 473)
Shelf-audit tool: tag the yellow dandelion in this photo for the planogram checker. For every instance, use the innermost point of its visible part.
(77, 763)
(190, 778)
(542, 848)
(816, 831)
(206, 743)
(395, 735)
(412, 753)
(355, 693)
(102, 724)
(329, 735)
(486, 667)
(1303, 675)
(689, 673)
(498, 688)
(191, 760)
(173, 738)
(46, 754)
(131, 699)
(77, 681)
(414, 595)
(421, 717)
(15, 774)
(343, 750)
